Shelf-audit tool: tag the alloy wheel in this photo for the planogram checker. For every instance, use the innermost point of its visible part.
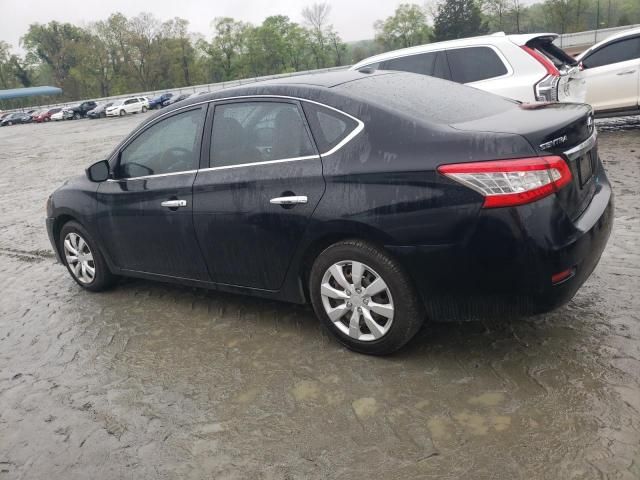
(79, 258)
(357, 300)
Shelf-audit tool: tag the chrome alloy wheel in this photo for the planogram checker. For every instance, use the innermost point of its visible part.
(79, 258)
(357, 300)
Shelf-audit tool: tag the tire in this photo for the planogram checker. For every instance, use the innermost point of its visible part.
(47, 119)
(398, 313)
(144, 109)
(103, 115)
(9, 123)
(122, 113)
(102, 277)
(77, 116)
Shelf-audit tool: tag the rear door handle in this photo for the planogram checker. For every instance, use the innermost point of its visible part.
(174, 203)
(629, 72)
(291, 200)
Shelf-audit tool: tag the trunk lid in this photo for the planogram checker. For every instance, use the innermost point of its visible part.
(553, 129)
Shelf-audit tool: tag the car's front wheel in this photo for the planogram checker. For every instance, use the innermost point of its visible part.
(76, 116)
(122, 113)
(144, 109)
(364, 297)
(83, 258)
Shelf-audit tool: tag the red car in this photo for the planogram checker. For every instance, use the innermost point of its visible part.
(45, 115)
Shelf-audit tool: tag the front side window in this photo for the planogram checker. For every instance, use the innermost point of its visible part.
(248, 132)
(171, 145)
(621, 51)
(473, 64)
(433, 64)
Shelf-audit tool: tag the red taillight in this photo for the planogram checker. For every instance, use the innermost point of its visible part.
(562, 276)
(544, 61)
(506, 183)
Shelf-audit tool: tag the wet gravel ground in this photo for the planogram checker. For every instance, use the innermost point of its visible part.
(164, 382)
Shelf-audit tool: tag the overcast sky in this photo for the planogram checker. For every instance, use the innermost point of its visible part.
(353, 19)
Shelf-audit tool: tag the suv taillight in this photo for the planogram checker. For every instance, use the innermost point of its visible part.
(546, 90)
(507, 183)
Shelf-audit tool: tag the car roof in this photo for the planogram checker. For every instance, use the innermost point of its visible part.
(615, 36)
(494, 38)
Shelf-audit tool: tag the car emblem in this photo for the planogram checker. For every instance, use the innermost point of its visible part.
(553, 143)
(590, 123)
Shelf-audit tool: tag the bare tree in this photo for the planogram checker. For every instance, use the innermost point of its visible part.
(316, 17)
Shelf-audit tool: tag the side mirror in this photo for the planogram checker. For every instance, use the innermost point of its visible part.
(98, 172)
(581, 66)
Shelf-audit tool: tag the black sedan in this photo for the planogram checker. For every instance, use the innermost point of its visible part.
(381, 198)
(15, 118)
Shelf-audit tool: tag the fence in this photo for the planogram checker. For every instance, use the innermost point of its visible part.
(589, 37)
(208, 87)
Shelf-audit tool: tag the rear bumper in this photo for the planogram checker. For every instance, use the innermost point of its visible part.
(504, 266)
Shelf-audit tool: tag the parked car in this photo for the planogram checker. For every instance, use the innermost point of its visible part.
(377, 204)
(144, 101)
(127, 105)
(100, 111)
(527, 67)
(35, 114)
(59, 115)
(175, 99)
(45, 115)
(611, 70)
(158, 102)
(80, 111)
(15, 118)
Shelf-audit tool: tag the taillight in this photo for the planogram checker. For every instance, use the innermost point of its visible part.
(546, 90)
(506, 183)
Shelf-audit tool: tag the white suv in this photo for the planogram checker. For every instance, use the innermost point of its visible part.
(611, 70)
(526, 67)
(127, 105)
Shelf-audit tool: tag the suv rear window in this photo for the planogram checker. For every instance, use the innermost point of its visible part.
(433, 64)
(328, 127)
(473, 64)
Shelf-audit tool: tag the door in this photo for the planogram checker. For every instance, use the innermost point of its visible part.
(252, 206)
(612, 75)
(433, 64)
(482, 67)
(145, 211)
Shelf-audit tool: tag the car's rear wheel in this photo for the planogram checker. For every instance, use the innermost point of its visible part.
(364, 297)
(9, 123)
(47, 119)
(144, 109)
(122, 113)
(103, 115)
(83, 258)
(76, 116)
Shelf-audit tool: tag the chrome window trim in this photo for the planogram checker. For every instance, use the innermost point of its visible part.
(359, 127)
(583, 147)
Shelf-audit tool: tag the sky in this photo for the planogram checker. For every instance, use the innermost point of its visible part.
(353, 19)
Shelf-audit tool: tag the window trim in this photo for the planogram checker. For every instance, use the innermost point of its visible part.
(612, 42)
(207, 103)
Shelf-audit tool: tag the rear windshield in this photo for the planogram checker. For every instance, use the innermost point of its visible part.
(428, 98)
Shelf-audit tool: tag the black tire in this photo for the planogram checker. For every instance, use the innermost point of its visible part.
(103, 115)
(9, 123)
(144, 109)
(408, 314)
(76, 116)
(103, 278)
(122, 113)
(47, 119)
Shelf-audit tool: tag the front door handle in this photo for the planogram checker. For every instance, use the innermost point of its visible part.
(629, 72)
(290, 200)
(174, 203)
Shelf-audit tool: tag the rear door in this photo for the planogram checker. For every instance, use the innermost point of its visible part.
(252, 205)
(612, 74)
(433, 64)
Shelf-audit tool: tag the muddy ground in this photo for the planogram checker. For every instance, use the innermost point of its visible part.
(158, 381)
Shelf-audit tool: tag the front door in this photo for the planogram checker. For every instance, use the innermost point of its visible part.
(145, 211)
(612, 75)
(252, 206)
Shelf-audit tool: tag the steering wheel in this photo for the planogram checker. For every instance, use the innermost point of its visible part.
(179, 155)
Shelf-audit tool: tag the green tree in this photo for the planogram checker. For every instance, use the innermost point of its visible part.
(405, 28)
(458, 19)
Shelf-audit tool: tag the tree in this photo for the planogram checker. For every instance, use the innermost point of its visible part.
(497, 10)
(228, 43)
(405, 28)
(316, 17)
(458, 19)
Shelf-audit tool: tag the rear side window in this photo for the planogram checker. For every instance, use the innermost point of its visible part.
(433, 64)
(621, 51)
(474, 64)
(248, 132)
(328, 126)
